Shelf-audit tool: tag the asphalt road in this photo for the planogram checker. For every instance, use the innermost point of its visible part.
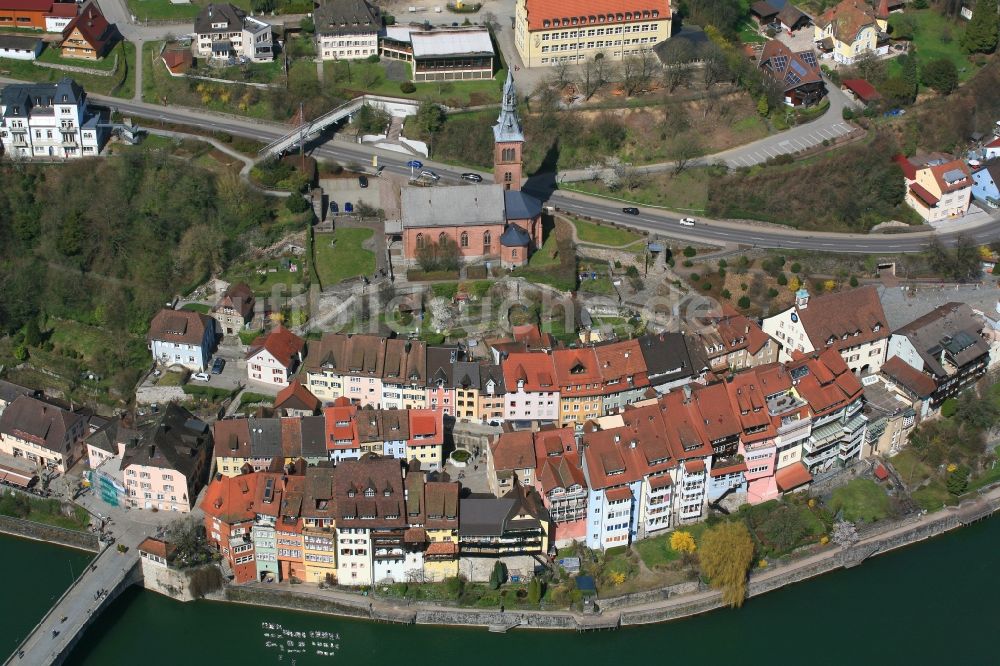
(664, 223)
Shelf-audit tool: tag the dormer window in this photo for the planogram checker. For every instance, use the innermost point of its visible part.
(844, 337)
(351, 493)
(370, 492)
(386, 492)
(876, 328)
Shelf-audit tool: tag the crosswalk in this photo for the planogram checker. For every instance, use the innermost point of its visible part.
(752, 156)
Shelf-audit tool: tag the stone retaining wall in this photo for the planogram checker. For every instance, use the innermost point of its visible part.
(260, 596)
(148, 395)
(40, 532)
(497, 619)
(81, 70)
(647, 596)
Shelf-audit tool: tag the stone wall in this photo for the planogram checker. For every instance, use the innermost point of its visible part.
(262, 596)
(171, 582)
(496, 619)
(148, 395)
(39, 532)
(81, 70)
(647, 596)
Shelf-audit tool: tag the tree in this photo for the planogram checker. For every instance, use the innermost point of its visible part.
(725, 556)
(371, 120)
(682, 542)
(637, 71)
(297, 203)
(32, 335)
(844, 533)
(984, 28)
(561, 74)
(685, 148)
(536, 590)
(744, 302)
(499, 575)
(454, 585)
(262, 6)
(588, 79)
(896, 91)
(957, 479)
(870, 67)
(429, 118)
(941, 75)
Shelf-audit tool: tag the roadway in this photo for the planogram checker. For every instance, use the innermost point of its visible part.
(659, 222)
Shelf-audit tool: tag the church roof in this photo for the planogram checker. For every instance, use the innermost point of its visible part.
(521, 206)
(515, 236)
(452, 206)
(508, 127)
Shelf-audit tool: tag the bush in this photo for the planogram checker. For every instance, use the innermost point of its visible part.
(772, 293)
(949, 407)
(407, 87)
(297, 203)
(854, 281)
(782, 279)
(796, 268)
(690, 251)
(454, 586)
(695, 277)
(373, 58)
(744, 302)
(726, 294)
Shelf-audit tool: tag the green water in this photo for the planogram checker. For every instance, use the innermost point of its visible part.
(935, 602)
(35, 575)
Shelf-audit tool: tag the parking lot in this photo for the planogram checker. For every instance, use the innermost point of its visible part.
(348, 190)
(791, 145)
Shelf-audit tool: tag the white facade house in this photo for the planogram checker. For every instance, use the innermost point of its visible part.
(225, 32)
(182, 337)
(521, 405)
(49, 120)
(347, 29)
(274, 358)
(16, 47)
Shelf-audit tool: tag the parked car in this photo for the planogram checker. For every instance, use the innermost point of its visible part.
(472, 177)
(687, 221)
(348, 207)
(415, 164)
(201, 377)
(630, 210)
(363, 181)
(333, 207)
(427, 173)
(218, 365)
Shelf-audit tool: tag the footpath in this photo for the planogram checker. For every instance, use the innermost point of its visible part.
(640, 608)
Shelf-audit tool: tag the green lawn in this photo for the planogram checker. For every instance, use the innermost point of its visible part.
(750, 35)
(197, 307)
(861, 499)
(340, 256)
(602, 234)
(26, 70)
(158, 10)
(602, 286)
(656, 552)
(52, 55)
(684, 192)
(366, 77)
(547, 255)
(926, 487)
(263, 283)
(86, 341)
(48, 511)
(929, 27)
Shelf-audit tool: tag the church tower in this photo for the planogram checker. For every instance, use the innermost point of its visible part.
(508, 140)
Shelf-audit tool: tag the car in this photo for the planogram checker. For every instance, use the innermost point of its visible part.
(687, 221)
(472, 177)
(333, 207)
(348, 207)
(363, 181)
(218, 365)
(378, 171)
(427, 173)
(628, 210)
(415, 164)
(495, 423)
(201, 377)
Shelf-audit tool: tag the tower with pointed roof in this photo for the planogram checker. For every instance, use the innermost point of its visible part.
(508, 140)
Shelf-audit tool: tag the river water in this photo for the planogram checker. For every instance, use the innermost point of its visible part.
(934, 602)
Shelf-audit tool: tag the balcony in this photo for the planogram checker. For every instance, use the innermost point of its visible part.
(812, 460)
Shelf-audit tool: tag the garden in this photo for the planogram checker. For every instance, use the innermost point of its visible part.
(341, 255)
(120, 84)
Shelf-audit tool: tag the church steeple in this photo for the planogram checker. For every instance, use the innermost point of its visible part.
(508, 139)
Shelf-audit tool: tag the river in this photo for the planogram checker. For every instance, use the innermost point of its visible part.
(933, 602)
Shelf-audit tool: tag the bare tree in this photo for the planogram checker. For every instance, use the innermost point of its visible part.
(844, 533)
(677, 75)
(491, 22)
(637, 72)
(685, 148)
(560, 74)
(626, 175)
(603, 67)
(588, 78)
(676, 118)
(716, 68)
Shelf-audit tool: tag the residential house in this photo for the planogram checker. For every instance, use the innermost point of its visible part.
(790, 17)
(383, 432)
(734, 342)
(296, 400)
(234, 310)
(230, 513)
(49, 120)
(15, 47)
(404, 374)
(796, 73)
(181, 337)
(426, 442)
(319, 513)
(668, 363)
(547, 32)
(852, 322)
(440, 382)
(560, 481)
(441, 53)
(441, 526)
(947, 345)
(850, 29)
(224, 32)
(532, 393)
(510, 458)
(41, 433)
(348, 366)
(155, 553)
(167, 466)
(623, 372)
(9, 392)
(108, 441)
(490, 398)
(232, 451)
(347, 29)
(466, 380)
(580, 386)
(512, 525)
(937, 188)
(273, 358)
(88, 35)
(46, 15)
(985, 183)
(893, 406)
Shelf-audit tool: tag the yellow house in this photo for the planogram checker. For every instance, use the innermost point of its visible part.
(852, 28)
(88, 35)
(549, 32)
(441, 524)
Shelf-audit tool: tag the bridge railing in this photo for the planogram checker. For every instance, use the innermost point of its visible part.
(307, 128)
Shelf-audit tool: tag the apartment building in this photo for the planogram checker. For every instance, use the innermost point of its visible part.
(181, 337)
(937, 188)
(734, 342)
(49, 121)
(532, 392)
(347, 29)
(224, 32)
(42, 433)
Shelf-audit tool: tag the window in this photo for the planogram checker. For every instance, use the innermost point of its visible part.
(507, 177)
(487, 238)
(420, 241)
(465, 239)
(441, 237)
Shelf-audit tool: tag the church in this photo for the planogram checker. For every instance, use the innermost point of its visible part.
(486, 221)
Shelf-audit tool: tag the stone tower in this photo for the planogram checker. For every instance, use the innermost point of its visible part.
(508, 140)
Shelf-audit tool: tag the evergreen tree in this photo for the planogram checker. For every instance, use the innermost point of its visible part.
(984, 29)
(941, 75)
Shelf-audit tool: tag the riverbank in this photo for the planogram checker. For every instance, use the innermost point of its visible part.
(648, 610)
(28, 529)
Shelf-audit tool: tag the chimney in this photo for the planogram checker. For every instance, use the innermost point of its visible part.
(687, 393)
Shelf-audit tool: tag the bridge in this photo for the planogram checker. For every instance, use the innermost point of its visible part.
(58, 632)
(297, 137)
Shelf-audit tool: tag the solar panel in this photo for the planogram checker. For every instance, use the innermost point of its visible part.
(809, 58)
(799, 69)
(779, 62)
(792, 79)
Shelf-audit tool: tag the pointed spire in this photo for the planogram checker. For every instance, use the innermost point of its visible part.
(508, 127)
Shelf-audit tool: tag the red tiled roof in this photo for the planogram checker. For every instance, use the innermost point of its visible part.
(281, 343)
(829, 384)
(848, 18)
(662, 481)
(908, 167)
(909, 377)
(28, 5)
(60, 9)
(939, 171)
(694, 466)
(618, 494)
(621, 360)
(428, 424)
(231, 499)
(442, 548)
(728, 469)
(179, 326)
(792, 476)
(995, 143)
(93, 27)
(576, 371)
(156, 547)
(513, 450)
(844, 313)
(881, 473)
(296, 396)
(864, 90)
(542, 14)
(921, 192)
(536, 371)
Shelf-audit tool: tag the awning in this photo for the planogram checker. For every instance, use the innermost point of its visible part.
(920, 192)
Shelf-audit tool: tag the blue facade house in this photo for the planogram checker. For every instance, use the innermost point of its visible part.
(985, 183)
